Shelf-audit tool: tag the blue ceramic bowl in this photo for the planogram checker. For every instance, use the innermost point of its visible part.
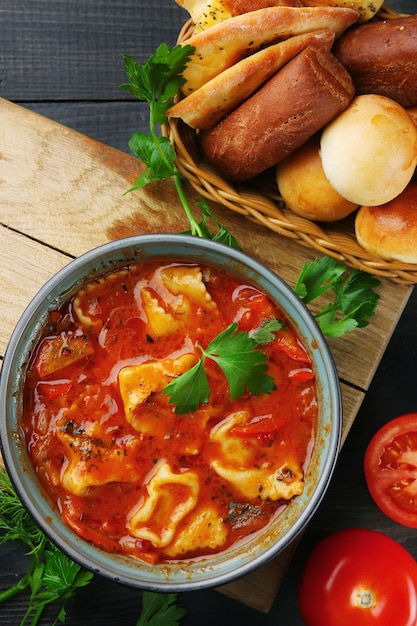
(266, 544)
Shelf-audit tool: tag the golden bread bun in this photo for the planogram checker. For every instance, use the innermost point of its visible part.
(390, 230)
(305, 189)
(369, 152)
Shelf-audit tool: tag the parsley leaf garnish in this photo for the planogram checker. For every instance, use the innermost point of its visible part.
(160, 609)
(354, 301)
(243, 365)
(266, 332)
(157, 82)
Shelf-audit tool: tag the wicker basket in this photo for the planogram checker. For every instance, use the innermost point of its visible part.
(260, 201)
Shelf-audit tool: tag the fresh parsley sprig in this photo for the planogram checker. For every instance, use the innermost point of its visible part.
(157, 82)
(51, 577)
(243, 365)
(354, 301)
(160, 609)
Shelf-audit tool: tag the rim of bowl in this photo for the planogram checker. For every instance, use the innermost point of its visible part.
(195, 574)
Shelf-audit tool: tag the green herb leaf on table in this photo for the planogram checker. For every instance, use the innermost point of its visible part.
(15, 523)
(160, 610)
(51, 576)
(235, 353)
(158, 82)
(157, 168)
(354, 300)
(61, 575)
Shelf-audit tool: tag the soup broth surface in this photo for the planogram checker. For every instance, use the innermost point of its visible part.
(124, 469)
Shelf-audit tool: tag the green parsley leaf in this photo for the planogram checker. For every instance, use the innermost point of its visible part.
(159, 164)
(189, 390)
(61, 575)
(317, 277)
(357, 297)
(223, 235)
(243, 365)
(266, 333)
(158, 81)
(160, 610)
(354, 301)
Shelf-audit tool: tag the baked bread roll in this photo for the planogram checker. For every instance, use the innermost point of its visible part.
(206, 106)
(369, 152)
(306, 190)
(292, 106)
(229, 41)
(381, 57)
(390, 230)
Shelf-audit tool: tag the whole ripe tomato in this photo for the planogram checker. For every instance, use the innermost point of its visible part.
(359, 577)
(391, 469)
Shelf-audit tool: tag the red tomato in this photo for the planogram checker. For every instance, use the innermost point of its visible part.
(57, 352)
(286, 341)
(359, 577)
(261, 425)
(391, 469)
(55, 388)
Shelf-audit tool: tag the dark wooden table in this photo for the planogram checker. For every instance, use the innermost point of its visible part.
(64, 59)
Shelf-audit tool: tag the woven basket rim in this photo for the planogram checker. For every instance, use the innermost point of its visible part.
(260, 202)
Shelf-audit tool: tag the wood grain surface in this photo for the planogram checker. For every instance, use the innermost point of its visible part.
(64, 60)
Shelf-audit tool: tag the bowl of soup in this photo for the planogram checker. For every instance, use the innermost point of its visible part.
(171, 413)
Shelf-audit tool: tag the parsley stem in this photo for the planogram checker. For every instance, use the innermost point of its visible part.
(195, 228)
(17, 588)
(38, 615)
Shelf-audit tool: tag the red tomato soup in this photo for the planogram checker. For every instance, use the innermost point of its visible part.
(125, 470)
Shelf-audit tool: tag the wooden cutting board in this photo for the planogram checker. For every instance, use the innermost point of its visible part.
(62, 193)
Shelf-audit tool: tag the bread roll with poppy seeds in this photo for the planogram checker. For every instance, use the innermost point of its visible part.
(293, 105)
(208, 13)
(205, 107)
(231, 40)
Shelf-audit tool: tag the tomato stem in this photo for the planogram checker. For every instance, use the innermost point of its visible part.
(365, 599)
